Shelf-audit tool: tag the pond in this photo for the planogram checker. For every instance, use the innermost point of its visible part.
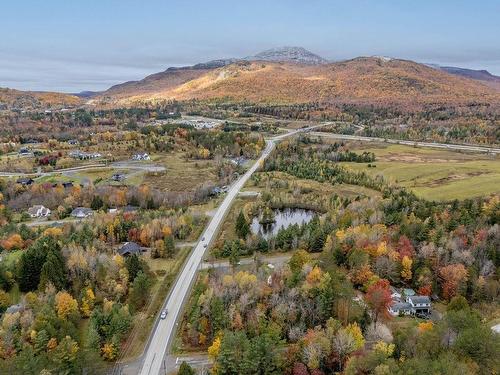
(283, 219)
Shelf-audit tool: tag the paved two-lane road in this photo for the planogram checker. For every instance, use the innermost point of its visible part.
(164, 330)
(154, 358)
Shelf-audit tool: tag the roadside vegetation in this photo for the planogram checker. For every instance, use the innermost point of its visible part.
(329, 313)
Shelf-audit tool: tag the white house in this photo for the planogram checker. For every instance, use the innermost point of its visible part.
(420, 304)
(38, 211)
(395, 294)
(82, 212)
(407, 302)
(144, 156)
(400, 308)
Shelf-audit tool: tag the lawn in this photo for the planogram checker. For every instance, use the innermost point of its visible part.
(434, 174)
(181, 174)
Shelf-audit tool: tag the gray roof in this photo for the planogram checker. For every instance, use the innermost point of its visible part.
(419, 299)
(14, 308)
(130, 248)
(81, 211)
(397, 306)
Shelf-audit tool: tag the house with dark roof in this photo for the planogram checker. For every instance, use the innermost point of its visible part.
(130, 248)
(118, 177)
(25, 181)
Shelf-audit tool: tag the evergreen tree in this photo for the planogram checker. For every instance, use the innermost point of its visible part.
(53, 270)
(169, 247)
(134, 266)
(242, 226)
(261, 357)
(234, 256)
(139, 293)
(185, 369)
(31, 263)
(97, 203)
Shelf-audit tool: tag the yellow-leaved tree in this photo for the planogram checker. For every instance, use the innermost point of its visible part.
(406, 263)
(65, 305)
(355, 332)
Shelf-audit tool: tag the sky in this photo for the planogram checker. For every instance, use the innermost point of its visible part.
(71, 46)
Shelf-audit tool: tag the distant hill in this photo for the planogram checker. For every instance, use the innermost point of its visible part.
(363, 80)
(11, 99)
(86, 94)
(479, 75)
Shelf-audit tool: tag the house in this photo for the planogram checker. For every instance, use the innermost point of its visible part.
(238, 161)
(82, 212)
(25, 181)
(216, 191)
(395, 294)
(118, 177)
(420, 305)
(24, 151)
(77, 154)
(143, 156)
(407, 302)
(38, 211)
(400, 308)
(14, 308)
(130, 208)
(408, 293)
(130, 248)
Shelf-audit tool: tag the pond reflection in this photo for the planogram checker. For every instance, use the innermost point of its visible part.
(282, 219)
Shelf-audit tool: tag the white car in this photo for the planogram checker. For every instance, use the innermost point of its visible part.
(163, 314)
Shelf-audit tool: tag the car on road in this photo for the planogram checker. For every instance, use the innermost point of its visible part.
(205, 246)
(203, 238)
(163, 314)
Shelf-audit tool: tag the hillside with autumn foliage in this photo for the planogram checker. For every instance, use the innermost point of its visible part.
(10, 98)
(361, 80)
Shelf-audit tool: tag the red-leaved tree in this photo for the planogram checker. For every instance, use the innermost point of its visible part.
(378, 297)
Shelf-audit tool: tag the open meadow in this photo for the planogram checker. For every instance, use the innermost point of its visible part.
(432, 174)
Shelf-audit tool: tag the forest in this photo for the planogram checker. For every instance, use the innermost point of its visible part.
(326, 309)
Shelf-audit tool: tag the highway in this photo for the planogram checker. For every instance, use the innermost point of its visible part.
(164, 330)
(448, 146)
(154, 362)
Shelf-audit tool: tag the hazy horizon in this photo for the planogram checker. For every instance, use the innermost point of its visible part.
(72, 47)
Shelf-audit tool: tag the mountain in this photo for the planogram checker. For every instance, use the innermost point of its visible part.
(10, 98)
(297, 55)
(86, 94)
(478, 75)
(368, 80)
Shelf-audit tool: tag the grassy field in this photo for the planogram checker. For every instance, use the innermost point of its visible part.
(433, 174)
(181, 174)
